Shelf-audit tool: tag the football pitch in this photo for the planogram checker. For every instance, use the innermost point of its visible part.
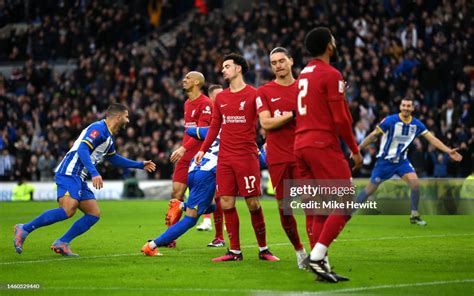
(380, 254)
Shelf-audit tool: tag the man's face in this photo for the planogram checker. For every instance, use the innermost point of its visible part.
(123, 119)
(406, 107)
(229, 70)
(281, 64)
(188, 82)
(213, 93)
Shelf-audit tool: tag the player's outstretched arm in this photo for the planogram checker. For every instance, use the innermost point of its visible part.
(440, 145)
(199, 132)
(372, 137)
(270, 123)
(124, 162)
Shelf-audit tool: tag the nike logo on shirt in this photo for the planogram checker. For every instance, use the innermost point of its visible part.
(275, 99)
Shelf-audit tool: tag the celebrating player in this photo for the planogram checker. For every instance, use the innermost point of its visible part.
(197, 112)
(276, 105)
(95, 143)
(238, 169)
(323, 117)
(399, 131)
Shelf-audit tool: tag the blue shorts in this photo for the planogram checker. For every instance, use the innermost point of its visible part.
(202, 186)
(385, 169)
(73, 186)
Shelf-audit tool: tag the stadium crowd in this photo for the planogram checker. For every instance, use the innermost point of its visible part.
(388, 50)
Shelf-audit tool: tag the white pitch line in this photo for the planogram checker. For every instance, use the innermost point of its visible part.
(407, 285)
(266, 292)
(243, 246)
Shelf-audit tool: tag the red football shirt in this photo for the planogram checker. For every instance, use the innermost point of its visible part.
(235, 115)
(197, 112)
(279, 99)
(323, 113)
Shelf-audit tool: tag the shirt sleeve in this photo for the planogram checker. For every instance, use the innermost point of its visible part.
(214, 127)
(384, 125)
(261, 101)
(205, 118)
(93, 137)
(335, 86)
(420, 128)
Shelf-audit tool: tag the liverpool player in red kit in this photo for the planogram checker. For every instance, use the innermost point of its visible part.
(238, 168)
(276, 106)
(323, 117)
(197, 112)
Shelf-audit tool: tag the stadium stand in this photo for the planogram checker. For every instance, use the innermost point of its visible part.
(388, 49)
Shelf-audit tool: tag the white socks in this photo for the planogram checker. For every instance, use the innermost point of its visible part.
(152, 245)
(318, 252)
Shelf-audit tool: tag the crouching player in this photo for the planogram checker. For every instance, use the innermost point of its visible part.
(202, 186)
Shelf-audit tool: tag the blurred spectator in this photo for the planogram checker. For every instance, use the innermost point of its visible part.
(22, 191)
(388, 49)
(440, 165)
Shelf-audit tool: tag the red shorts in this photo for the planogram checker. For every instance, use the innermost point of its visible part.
(240, 177)
(281, 171)
(180, 173)
(326, 163)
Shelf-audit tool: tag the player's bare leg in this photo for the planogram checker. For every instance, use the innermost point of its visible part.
(412, 180)
(258, 223)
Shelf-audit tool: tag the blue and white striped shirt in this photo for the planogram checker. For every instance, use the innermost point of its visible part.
(98, 138)
(397, 136)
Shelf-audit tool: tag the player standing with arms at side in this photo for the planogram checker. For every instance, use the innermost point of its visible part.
(94, 144)
(276, 106)
(399, 131)
(238, 168)
(218, 240)
(197, 112)
(323, 117)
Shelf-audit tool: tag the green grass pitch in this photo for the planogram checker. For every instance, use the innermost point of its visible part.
(380, 254)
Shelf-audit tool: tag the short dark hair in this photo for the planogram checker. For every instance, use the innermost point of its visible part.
(412, 100)
(280, 49)
(317, 40)
(213, 87)
(115, 108)
(238, 60)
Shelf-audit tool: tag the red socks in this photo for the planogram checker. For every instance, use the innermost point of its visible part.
(332, 227)
(232, 224)
(258, 223)
(309, 230)
(318, 225)
(289, 225)
(218, 219)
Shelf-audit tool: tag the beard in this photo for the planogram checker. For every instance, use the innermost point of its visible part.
(334, 57)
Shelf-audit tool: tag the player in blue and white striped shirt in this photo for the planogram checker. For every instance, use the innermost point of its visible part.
(93, 146)
(399, 131)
